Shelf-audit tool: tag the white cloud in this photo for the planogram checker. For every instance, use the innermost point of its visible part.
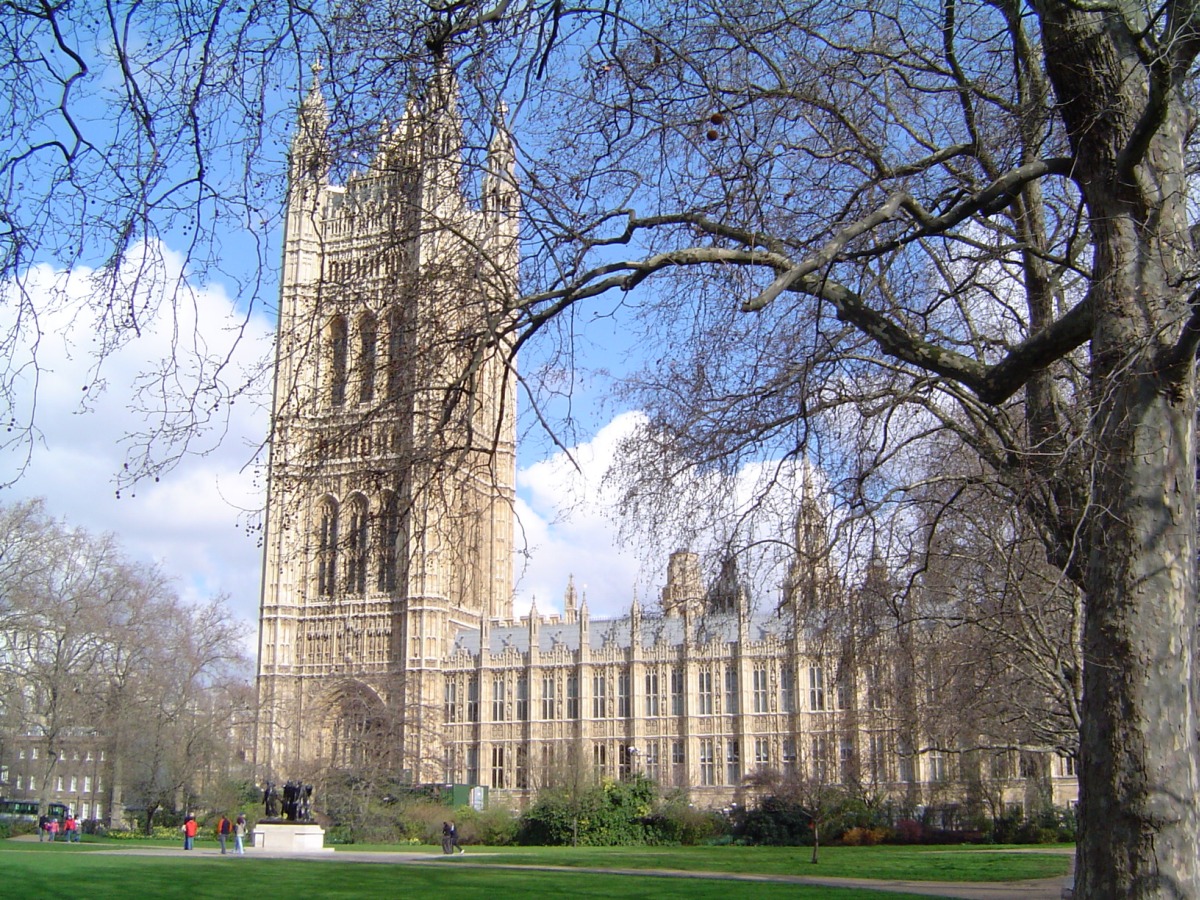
(191, 521)
(567, 517)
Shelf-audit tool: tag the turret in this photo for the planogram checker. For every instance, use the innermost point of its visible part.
(569, 611)
(682, 593)
(308, 162)
(533, 626)
(501, 200)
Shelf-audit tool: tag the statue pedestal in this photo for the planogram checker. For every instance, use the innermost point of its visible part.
(290, 837)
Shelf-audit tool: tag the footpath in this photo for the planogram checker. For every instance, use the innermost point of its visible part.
(1039, 889)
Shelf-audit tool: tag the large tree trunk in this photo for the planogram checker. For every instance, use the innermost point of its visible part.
(1138, 746)
(1139, 743)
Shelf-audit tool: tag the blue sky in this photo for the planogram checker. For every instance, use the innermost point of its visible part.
(197, 520)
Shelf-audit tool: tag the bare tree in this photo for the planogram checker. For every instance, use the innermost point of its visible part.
(98, 648)
(970, 216)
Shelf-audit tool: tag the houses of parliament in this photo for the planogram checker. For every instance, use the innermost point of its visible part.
(387, 635)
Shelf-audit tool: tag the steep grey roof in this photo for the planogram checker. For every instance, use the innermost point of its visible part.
(602, 633)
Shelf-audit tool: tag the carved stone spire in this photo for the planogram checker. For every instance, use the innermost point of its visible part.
(310, 145)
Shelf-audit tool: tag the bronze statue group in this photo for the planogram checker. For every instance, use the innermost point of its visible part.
(297, 801)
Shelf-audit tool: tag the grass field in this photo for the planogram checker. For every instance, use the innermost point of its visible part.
(32, 870)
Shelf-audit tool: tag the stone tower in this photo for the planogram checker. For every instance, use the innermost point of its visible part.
(392, 461)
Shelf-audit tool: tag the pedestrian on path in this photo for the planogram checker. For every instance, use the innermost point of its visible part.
(224, 829)
(189, 832)
(239, 835)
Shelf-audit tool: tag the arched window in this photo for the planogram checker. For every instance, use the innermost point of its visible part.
(395, 339)
(356, 546)
(327, 531)
(338, 341)
(389, 540)
(358, 730)
(366, 358)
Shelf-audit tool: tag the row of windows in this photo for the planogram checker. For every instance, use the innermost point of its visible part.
(88, 755)
(356, 549)
(71, 784)
(560, 695)
(718, 762)
(340, 375)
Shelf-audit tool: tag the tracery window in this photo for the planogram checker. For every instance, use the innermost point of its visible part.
(708, 769)
(395, 342)
(599, 697)
(549, 710)
(704, 677)
(652, 698)
(816, 688)
(366, 358)
(760, 688)
(338, 346)
(389, 541)
(327, 536)
(356, 546)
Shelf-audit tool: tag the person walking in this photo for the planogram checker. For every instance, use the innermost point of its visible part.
(447, 838)
(224, 829)
(71, 830)
(52, 828)
(43, 827)
(454, 839)
(189, 832)
(239, 835)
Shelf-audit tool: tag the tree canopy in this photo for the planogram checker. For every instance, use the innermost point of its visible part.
(849, 229)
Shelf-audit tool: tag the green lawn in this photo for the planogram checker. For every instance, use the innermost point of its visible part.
(957, 863)
(32, 869)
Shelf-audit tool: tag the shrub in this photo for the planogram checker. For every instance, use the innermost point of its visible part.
(866, 837)
(608, 814)
(909, 831)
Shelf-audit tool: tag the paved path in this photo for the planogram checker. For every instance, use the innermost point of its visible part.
(1039, 889)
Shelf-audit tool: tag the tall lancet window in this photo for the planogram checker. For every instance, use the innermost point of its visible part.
(356, 546)
(338, 345)
(389, 541)
(366, 358)
(395, 345)
(327, 548)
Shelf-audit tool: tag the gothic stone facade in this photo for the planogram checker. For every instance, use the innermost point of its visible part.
(387, 636)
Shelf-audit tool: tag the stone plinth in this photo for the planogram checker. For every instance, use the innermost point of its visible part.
(290, 837)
